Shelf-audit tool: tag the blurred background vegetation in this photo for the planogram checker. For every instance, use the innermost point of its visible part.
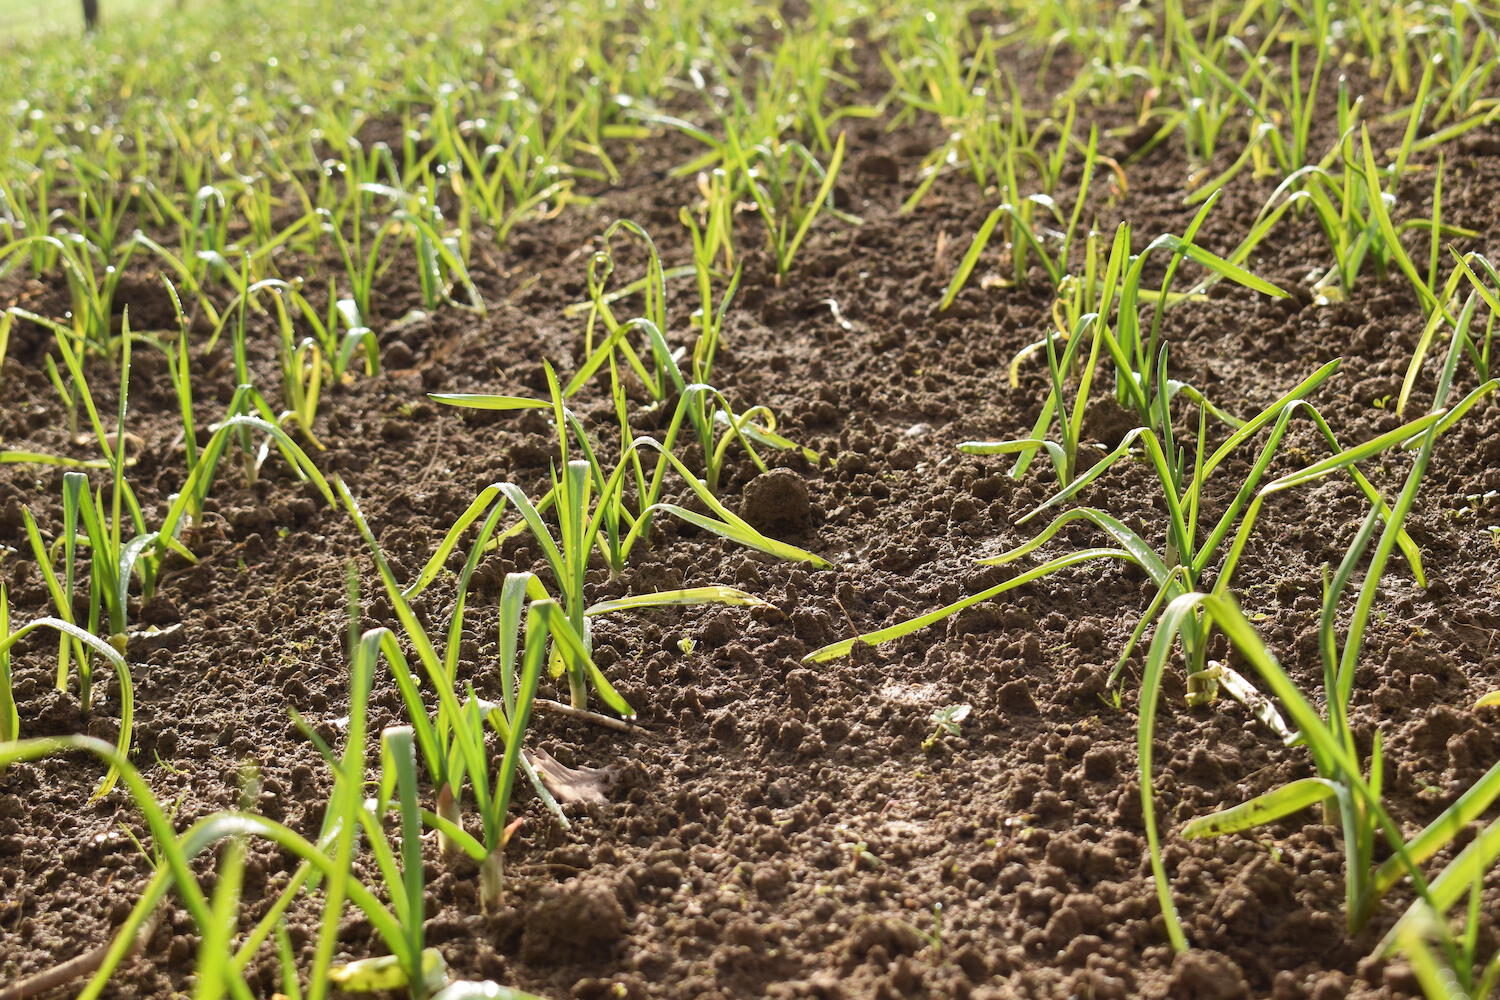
(26, 19)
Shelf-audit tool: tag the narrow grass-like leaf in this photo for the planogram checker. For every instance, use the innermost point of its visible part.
(10, 719)
(833, 651)
(1442, 831)
(693, 595)
(482, 401)
(1268, 808)
(122, 674)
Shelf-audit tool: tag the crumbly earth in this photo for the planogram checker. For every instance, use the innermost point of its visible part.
(778, 829)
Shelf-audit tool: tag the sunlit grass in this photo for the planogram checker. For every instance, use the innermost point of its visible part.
(27, 21)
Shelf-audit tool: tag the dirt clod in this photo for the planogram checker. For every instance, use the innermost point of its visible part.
(776, 502)
(582, 920)
(1206, 975)
(880, 167)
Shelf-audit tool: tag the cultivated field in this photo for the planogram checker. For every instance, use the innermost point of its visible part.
(713, 499)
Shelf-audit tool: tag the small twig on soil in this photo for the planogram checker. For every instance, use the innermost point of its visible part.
(74, 968)
(845, 611)
(583, 715)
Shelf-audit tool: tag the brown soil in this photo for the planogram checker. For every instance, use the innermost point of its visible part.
(781, 832)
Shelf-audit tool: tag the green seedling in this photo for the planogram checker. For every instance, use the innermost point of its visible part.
(1353, 207)
(711, 230)
(1448, 971)
(7, 320)
(504, 183)
(1025, 235)
(324, 865)
(100, 523)
(714, 421)
(1189, 549)
(1085, 301)
(451, 740)
(521, 666)
(597, 506)
(1100, 310)
(946, 722)
(1282, 114)
(1210, 99)
(587, 519)
(1484, 281)
(335, 340)
(789, 188)
(1349, 789)
(440, 268)
(71, 633)
(92, 284)
(10, 719)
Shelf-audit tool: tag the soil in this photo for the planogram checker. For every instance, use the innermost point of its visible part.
(780, 830)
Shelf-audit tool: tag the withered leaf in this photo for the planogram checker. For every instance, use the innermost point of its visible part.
(571, 785)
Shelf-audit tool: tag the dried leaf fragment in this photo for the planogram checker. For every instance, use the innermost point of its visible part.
(571, 785)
